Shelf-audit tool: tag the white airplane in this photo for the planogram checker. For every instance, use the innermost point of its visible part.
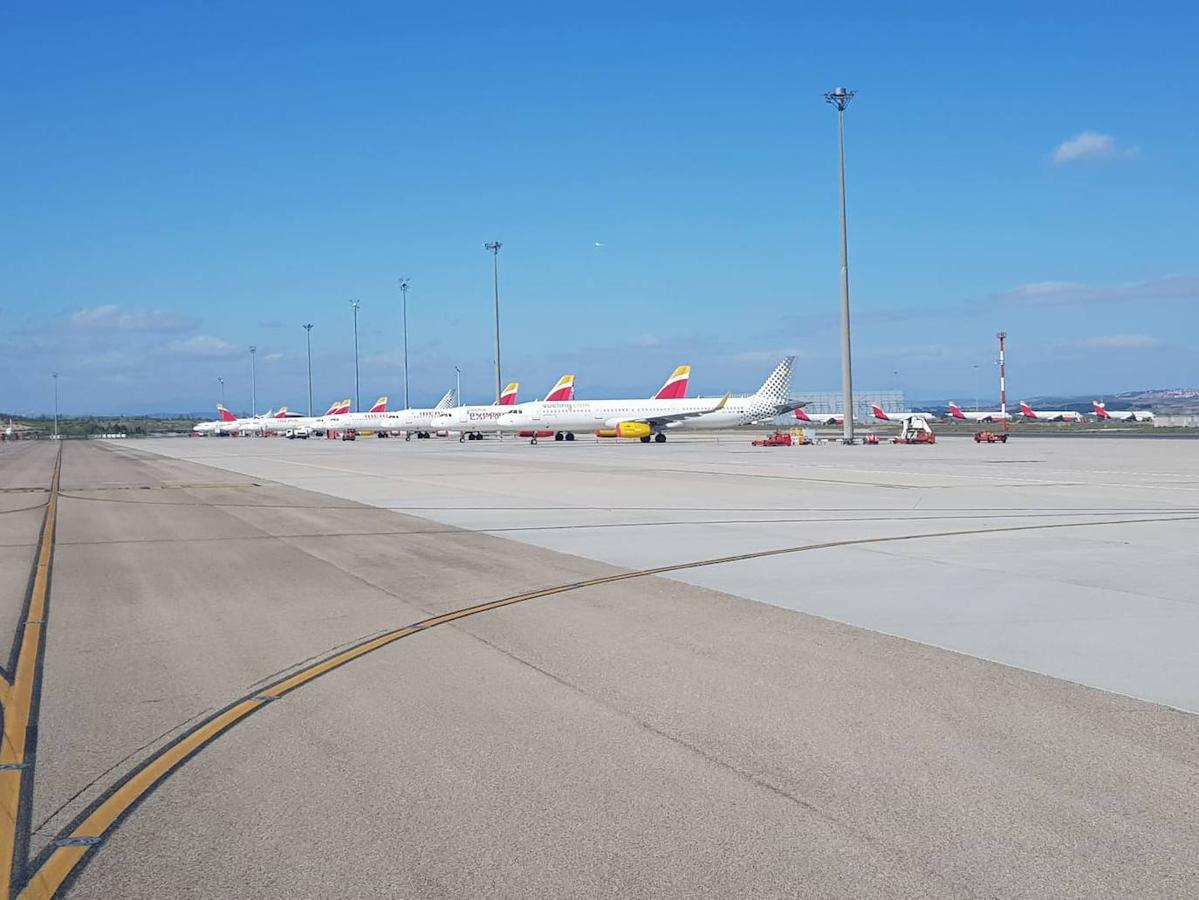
(374, 419)
(419, 421)
(284, 421)
(648, 419)
(220, 425)
(471, 421)
(1121, 415)
(1049, 415)
(956, 412)
(820, 418)
(905, 416)
(256, 424)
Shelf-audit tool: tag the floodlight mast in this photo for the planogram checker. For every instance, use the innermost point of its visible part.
(840, 97)
(494, 248)
(357, 392)
(404, 282)
(308, 334)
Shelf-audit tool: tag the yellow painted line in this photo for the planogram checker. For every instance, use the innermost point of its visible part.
(46, 880)
(18, 696)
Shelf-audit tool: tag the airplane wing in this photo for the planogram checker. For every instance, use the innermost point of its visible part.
(679, 417)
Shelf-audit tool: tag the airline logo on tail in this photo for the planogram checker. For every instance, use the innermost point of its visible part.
(380, 405)
(282, 413)
(1100, 409)
(956, 411)
(802, 416)
(675, 387)
(340, 408)
(225, 415)
(562, 391)
(880, 414)
(508, 395)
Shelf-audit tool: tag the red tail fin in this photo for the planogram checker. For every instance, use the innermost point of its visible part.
(225, 415)
(879, 414)
(802, 416)
(563, 390)
(675, 387)
(380, 405)
(955, 411)
(1027, 410)
(282, 413)
(1100, 410)
(508, 396)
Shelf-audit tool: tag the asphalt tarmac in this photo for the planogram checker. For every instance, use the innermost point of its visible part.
(252, 689)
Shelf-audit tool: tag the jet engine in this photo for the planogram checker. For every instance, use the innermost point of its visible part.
(625, 430)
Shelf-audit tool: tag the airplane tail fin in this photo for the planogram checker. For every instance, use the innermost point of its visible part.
(342, 408)
(1100, 409)
(1027, 410)
(777, 387)
(380, 405)
(563, 390)
(675, 387)
(282, 413)
(879, 413)
(802, 416)
(448, 401)
(225, 415)
(955, 410)
(508, 395)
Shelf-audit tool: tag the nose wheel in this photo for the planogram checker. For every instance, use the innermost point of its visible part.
(533, 439)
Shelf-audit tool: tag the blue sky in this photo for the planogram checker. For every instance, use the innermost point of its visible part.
(183, 180)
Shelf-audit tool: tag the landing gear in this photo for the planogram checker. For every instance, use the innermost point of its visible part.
(645, 438)
(533, 439)
(558, 436)
(570, 435)
(407, 436)
(462, 438)
(659, 438)
(478, 435)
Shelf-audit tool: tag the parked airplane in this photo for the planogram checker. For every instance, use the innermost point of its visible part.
(1121, 415)
(675, 387)
(215, 426)
(469, 422)
(1047, 415)
(905, 416)
(648, 419)
(373, 419)
(820, 418)
(995, 415)
(419, 421)
(292, 422)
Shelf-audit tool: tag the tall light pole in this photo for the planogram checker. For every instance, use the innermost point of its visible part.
(404, 290)
(55, 376)
(457, 386)
(308, 334)
(494, 247)
(840, 97)
(354, 304)
(253, 381)
(221, 382)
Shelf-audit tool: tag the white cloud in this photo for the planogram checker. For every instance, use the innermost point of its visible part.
(110, 317)
(205, 346)
(1123, 342)
(1061, 293)
(1090, 145)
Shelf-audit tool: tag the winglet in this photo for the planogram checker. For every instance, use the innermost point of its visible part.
(723, 400)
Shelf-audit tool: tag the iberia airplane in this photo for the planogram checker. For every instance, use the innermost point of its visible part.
(284, 421)
(904, 416)
(419, 421)
(1121, 415)
(1049, 415)
(471, 421)
(223, 424)
(648, 419)
(373, 418)
(994, 415)
(820, 418)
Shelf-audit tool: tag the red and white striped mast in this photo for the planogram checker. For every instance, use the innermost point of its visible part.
(1002, 335)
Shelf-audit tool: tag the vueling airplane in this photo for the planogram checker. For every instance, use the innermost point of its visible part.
(647, 420)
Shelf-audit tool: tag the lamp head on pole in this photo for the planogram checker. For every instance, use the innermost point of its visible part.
(307, 327)
(839, 97)
(493, 246)
(404, 282)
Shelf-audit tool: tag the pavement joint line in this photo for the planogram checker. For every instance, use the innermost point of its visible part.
(61, 862)
(81, 841)
(20, 699)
